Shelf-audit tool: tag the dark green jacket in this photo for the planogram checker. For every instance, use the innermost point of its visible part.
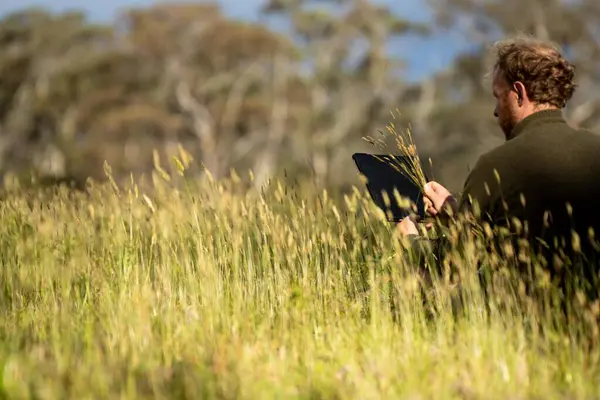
(544, 166)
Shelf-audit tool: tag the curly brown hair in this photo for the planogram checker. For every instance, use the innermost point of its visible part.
(539, 66)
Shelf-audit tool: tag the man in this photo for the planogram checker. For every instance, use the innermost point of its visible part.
(546, 174)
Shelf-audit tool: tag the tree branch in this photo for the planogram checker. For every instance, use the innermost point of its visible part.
(266, 164)
(203, 123)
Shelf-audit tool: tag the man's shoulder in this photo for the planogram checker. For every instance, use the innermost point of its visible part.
(493, 167)
(497, 157)
(488, 166)
(588, 134)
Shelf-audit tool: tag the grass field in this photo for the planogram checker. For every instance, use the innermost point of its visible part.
(214, 292)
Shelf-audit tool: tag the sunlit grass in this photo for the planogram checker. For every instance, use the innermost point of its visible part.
(408, 162)
(213, 292)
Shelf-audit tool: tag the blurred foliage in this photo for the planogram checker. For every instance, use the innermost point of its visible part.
(238, 95)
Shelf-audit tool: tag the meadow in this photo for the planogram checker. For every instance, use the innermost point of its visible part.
(218, 291)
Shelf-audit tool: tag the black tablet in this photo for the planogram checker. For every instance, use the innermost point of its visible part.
(383, 177)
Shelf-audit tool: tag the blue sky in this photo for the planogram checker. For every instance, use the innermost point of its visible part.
(422, 56)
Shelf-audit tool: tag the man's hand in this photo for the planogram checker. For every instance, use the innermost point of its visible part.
(408, 226)
(438, 199)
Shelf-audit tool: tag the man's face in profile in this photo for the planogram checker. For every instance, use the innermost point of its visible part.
(505, 103)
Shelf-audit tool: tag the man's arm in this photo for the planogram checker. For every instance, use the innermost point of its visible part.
(480, 197)
(480, 192)
(421, 250)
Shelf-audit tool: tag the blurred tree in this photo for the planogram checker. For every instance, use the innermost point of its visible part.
(35, 94)
(161, 76)
(74, 94)
(354, 82)
(215, 74)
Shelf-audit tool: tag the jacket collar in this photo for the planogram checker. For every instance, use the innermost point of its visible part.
(536, 118)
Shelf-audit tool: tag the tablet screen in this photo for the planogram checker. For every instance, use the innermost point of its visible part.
(385, 178)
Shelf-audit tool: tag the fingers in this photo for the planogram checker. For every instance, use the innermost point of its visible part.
(427, 202)
(408, 226)
(437, 195)
(429, 207)
(430, 194)
(432, 188)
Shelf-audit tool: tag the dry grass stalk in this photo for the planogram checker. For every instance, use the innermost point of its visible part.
(404, 142)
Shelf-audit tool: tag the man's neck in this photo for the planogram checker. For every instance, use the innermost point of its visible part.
(535, 108)
(540, 113)
(543, 107)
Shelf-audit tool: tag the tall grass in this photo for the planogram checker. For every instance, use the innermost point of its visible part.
(409, 162)
(215, 291)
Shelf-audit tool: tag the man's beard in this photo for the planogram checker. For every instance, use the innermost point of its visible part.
(507, 127)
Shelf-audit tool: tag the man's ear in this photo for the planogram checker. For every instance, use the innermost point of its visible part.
(521, 91)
